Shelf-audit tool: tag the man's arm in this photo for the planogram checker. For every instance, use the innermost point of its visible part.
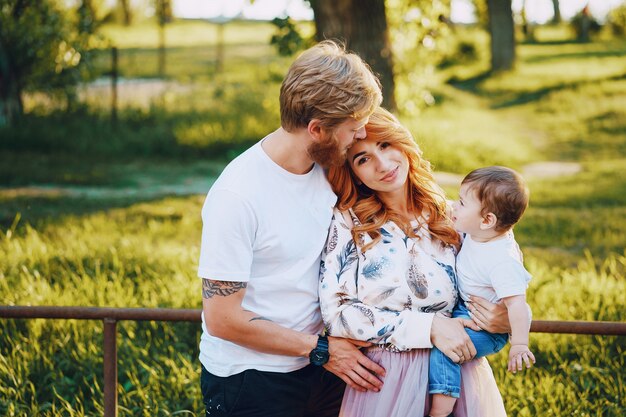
(226, 318)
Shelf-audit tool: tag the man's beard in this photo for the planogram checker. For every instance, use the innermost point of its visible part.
(327, 152)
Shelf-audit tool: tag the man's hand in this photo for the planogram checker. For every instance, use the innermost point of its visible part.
(350, 364)
(518, 355)
(489, 316)
(449, 336)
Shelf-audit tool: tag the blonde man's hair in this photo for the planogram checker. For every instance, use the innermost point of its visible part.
(329, 84)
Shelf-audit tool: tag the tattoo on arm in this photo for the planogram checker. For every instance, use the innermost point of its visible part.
(221, 288)
(259, 318)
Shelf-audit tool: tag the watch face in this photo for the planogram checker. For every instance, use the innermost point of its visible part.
(318, 357)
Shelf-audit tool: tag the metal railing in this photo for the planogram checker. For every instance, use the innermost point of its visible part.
(110, 317)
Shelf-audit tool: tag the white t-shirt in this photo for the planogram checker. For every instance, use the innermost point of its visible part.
(265, 226)
(492, 270)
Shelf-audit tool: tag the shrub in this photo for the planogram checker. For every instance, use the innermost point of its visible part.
(617, 20)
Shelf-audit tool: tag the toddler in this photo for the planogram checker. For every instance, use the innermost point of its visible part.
(489, 265)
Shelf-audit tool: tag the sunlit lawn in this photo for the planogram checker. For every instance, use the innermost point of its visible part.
(89, 215)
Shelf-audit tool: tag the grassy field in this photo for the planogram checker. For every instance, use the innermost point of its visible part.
(101, 214)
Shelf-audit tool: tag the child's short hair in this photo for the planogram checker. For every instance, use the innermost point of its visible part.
(501, 191)
(327, 83)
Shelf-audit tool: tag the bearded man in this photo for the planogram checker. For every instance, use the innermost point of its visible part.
(265, 222)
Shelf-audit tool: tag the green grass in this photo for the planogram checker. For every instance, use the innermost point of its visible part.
(181, 33)
(140, 256)
(192, 50)
(463, 122)
(213, 122)
(90, 214)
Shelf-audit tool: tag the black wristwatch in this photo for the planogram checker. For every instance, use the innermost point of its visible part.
(319, 356)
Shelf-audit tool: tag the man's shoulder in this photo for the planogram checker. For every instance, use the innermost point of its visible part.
(241, 171)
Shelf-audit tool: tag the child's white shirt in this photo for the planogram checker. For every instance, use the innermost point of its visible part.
(492, 270)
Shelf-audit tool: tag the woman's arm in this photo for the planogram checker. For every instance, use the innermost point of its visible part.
(450, 337)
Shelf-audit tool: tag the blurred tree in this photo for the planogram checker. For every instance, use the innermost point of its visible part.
(556, 19)
(362, 25)
(527, 27)
(164, 15)
(585, 25)
(502, 34)
(127, 13)
(287, 38)
(617, 20)
(40, 49)
(87, 16)
(421, 37)
(413, 27)
(482, 15)
(91, 14)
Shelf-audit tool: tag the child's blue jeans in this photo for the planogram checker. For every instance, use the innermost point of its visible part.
(444, 376)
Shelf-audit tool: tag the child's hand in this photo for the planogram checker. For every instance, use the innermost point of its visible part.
(519, 354)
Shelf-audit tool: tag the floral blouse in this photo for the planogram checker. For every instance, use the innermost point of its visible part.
(389, 294)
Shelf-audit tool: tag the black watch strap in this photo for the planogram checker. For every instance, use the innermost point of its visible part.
(322, 342)
(320, 354)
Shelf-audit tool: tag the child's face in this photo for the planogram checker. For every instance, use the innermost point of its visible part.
(466, 212)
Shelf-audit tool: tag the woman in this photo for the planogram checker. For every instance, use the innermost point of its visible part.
(388, 276)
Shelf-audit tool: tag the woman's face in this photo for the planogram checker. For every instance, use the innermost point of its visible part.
(379, 165)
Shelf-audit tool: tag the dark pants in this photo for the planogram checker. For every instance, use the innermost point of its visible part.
(308, 392)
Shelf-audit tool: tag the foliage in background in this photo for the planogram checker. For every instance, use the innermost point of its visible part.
(42, 48)
(585, 25)
(616, 20)
(288, 40)
(100, 214)
(216, 122)
(421, 39)
(419, 32)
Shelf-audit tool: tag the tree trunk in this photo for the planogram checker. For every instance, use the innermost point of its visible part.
(584, 25)
(527, 27)
(556, 19)
(332, 19)
(164, 15)
(502, 34)
(10, 93)
(127, 14)
(161, 66)
(86, 17)
(362, 25)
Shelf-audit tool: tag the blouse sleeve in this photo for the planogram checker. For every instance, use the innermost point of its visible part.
(345, 315)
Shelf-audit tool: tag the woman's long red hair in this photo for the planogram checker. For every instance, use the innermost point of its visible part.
(423, 193)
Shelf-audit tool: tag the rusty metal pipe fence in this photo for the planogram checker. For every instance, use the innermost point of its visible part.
(110, 317)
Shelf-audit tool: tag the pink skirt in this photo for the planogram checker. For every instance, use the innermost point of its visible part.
(405, 389)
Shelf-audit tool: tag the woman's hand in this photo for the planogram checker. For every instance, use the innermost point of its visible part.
(449, 336)
(489, 316)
